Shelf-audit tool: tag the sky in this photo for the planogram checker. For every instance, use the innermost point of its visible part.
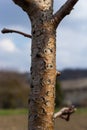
(15, 50)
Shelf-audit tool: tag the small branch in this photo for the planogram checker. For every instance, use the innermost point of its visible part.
(63, 11)
(65, 113)
(5, 30)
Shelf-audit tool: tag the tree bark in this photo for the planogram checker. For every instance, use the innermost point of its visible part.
(43, 60)
(43, 68)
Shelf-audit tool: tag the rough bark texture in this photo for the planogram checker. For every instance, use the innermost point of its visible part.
(43, 60)
(43, 68)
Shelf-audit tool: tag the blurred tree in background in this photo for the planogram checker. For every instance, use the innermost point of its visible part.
(59, 94)
(14, 90)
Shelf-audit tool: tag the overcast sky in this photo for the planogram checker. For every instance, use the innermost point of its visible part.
(15, 50)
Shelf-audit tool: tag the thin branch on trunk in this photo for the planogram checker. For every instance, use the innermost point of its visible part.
(65, 113)
(63, 11)
(5, 30)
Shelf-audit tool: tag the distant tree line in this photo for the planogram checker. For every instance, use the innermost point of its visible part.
(14, 90)
(14, 87)
(68, 74)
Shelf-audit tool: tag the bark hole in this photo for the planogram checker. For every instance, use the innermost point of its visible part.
(33, 31)
(47, 93)
(43, 111)
(31, 86)
(48, 81)
(38, 55)
(49, 66)
(48, 51)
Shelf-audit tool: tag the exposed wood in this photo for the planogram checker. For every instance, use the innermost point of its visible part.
(5, 30)
(63, 11)
(65, 113)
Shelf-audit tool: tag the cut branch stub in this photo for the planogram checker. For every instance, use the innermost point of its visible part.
(58, 73)
(65, 113)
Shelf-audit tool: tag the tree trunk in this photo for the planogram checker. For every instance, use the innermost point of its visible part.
(43, 69)
(43, 59)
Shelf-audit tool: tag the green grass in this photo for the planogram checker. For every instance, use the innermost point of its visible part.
(13, 111)
(25, 111)
(81, 110)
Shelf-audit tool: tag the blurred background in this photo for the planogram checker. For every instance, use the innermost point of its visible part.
(15, 62)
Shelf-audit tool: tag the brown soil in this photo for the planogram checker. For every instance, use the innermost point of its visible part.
(77, 122)
(19, 122)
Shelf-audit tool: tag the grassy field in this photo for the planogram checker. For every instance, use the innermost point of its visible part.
(4, 112)
(17, 120)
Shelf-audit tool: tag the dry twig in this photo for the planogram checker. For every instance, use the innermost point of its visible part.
(5, 30)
